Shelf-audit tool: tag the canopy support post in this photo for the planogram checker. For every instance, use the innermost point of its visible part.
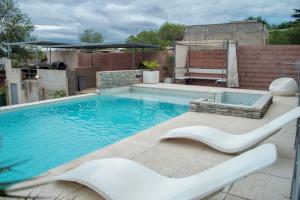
(133, 58)
(36, 57)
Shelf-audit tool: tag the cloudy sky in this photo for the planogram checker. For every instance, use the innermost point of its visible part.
(63, 20)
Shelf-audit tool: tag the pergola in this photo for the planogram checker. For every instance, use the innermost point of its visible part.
(90, 46)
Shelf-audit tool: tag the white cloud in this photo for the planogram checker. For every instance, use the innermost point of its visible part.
(117, 19)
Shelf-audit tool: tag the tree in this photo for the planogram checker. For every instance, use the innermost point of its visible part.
(171, 31)
(15, 26)
(283, 25)
(167, 33)
(286, 32)
(90, 36)
(296, 15)
(279, 37)
(289, 36)
(294, 34)
(148, 37)
(259, 19)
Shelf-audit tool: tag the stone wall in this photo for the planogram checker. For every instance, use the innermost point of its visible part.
(245, 32)
(255, 112)
(112, 79)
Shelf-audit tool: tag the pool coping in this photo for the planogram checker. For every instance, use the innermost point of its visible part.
(196, 88)
(62, 99)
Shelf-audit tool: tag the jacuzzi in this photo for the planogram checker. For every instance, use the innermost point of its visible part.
(234, 104)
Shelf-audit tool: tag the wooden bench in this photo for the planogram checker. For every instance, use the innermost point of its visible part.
(218, 75)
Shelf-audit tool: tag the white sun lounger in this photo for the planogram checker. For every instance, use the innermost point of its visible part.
(117, 178)
(232, 143)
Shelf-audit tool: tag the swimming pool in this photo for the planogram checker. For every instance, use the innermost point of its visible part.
(45, 136)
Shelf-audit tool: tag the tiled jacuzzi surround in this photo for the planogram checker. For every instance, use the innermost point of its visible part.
(234, 104)
(249, 104)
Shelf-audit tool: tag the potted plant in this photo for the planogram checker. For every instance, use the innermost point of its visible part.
(152, 74)
(168, 67)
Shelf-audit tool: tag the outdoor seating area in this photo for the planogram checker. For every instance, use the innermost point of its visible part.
(205, 60)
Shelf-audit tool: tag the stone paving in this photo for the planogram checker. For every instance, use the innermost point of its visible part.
(180, 158)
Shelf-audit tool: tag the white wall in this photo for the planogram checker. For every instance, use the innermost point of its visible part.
(30, 90)
(13, 76)
(51, 81)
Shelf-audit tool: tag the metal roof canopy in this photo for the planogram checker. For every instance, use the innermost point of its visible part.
(39, 43)
(105, 45)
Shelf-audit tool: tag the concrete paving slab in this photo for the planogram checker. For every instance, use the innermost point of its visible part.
(230, 197)
(83, 194)
(219, 196)
(282, 168)
(120, 150)
(262, 187)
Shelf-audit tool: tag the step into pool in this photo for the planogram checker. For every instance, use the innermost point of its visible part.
(44, 136)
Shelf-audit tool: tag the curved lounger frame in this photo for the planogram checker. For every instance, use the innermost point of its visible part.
(117, 178)
(232, 143)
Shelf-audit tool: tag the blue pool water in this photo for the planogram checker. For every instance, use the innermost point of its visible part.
(46, 136)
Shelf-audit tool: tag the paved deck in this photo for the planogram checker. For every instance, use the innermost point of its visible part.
(180, 158)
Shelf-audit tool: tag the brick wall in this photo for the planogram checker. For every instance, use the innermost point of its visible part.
(119, 61)
(207, 59)
(108, 61)
(259, 65)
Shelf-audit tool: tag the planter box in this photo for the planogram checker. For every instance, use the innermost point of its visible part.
(151, 76)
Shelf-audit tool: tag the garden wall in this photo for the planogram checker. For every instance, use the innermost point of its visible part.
(119, 61)
(259, 65)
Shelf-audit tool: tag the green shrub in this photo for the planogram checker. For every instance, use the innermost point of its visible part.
(59, 94)
(168, 67)
(2, 96)
(151, 65)
(2, 91)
